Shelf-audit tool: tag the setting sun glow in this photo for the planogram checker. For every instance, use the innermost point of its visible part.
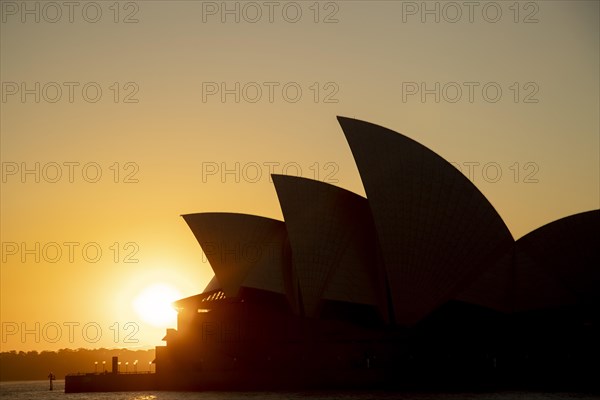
(153, 305)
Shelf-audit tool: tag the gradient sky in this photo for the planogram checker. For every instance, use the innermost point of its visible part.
(366, 58)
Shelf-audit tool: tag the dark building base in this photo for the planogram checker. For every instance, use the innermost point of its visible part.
(375, 379)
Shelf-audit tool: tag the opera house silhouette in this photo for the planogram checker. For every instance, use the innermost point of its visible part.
(419, 284)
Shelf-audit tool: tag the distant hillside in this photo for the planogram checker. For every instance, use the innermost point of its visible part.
(34, 366)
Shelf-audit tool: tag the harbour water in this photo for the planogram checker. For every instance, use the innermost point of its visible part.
(31, 390)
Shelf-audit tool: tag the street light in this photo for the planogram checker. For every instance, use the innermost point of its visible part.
(95, 367)
(135, 366)
(119, 367)
(126, 366)
(149, 366)
(103, 366)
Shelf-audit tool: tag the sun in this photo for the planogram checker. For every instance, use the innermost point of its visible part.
(153, 305)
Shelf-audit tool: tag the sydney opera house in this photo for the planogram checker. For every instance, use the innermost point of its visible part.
(419, 284)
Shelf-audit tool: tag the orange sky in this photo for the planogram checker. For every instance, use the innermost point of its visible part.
(185, 97)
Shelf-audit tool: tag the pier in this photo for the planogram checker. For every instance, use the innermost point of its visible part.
(114, 381)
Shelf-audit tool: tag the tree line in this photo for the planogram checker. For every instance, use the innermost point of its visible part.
(33, 365)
